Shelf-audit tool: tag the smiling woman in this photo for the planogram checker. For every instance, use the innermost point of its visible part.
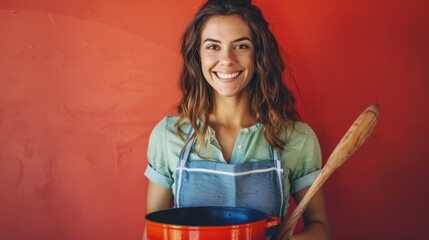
(237, 140)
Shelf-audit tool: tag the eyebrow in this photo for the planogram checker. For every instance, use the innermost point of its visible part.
(217, 41)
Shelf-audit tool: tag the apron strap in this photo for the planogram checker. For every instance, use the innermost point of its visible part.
(181, 164)
(187, 148)
(275, 156)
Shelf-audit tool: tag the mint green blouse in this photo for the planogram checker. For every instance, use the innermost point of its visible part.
(301, 157)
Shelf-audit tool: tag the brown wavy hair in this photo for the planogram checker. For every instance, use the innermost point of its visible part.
(272, 103)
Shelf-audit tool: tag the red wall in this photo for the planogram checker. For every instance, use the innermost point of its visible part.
(82, 83)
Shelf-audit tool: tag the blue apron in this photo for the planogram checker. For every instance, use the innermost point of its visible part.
(258, 185)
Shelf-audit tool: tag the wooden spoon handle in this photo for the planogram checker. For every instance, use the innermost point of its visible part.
(352, 140)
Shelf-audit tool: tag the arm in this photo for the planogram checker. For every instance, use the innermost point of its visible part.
(158, 198)
(315, 217)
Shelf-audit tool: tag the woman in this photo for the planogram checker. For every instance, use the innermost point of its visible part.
(236, 116)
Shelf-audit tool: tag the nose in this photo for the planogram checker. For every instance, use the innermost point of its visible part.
(227, 58)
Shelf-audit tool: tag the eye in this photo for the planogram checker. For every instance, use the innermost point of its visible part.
(242, 46)
(212, 47)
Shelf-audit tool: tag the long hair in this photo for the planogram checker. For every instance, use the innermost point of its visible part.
(272, 103)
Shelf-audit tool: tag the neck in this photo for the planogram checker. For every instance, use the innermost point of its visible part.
(232, 112)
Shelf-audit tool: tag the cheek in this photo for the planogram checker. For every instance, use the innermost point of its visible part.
(250, 66)
(208, 61)
(247, 60)
(249, 63)
(206, 65)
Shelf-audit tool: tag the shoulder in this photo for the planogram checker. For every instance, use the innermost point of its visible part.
(300, 138)
(168, 128)
(166, 141)
(168, 123)
(300, 131)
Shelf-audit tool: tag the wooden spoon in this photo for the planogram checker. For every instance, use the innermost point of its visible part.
(352, 140)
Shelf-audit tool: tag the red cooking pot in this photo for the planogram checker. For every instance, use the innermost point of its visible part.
(208, 223)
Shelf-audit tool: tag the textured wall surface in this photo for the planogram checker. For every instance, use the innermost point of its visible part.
(82, 83)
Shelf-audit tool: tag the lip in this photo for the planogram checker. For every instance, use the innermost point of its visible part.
(215, 73)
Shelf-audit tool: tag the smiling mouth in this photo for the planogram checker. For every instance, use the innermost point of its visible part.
(227, 76)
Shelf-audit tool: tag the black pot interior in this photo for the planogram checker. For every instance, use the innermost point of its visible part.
(206, 216)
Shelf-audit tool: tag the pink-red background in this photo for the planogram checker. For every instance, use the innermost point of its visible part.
(82, 83)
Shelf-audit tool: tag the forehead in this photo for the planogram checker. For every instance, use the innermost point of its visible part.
(227, 27)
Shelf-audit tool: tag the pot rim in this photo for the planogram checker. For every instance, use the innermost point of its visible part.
(260, 220)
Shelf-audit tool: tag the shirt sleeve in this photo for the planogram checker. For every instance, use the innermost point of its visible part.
(157, 170)
(309, 162)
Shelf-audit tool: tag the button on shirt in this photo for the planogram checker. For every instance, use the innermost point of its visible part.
(301, 157)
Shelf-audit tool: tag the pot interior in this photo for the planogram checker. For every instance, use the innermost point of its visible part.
(206, 216)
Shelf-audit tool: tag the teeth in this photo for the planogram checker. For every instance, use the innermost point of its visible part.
(227, 75)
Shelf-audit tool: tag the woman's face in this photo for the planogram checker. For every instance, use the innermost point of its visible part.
(227, 54)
